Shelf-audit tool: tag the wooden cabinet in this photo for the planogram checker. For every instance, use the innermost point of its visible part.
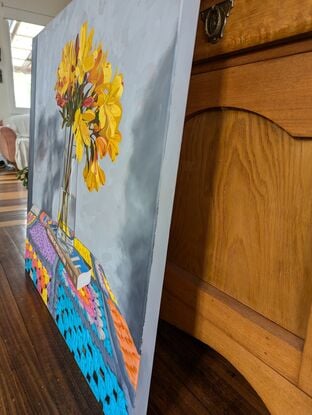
(239, 267)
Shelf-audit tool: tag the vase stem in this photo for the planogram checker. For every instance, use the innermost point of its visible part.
(67, 209)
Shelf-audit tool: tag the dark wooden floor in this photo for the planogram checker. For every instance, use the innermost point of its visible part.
(38, 374)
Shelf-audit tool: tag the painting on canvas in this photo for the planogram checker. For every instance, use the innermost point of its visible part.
(110, 83)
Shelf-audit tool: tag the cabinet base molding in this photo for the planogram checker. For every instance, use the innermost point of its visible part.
(268, 356)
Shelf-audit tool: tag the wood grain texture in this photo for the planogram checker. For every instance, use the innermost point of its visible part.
(279, 395)
(9, 223)
(278, 89)
(272, 52)
(4, 173)
(14, 215)
(7, 184)
(12, 208)
(13, 399)
(7, 177)
(13, 195)
(243, 214)
(13, 202)
(305, 375)
(273, 345)
(253, 23)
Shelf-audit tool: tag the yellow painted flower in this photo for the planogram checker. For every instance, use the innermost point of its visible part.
(107, 69)
(81, 130)
(86, 57)
(113, 145)
(66, 69)
(94, 176)
(110, 110)
(89, 101)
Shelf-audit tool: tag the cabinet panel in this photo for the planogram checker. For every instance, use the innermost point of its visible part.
(243, 213)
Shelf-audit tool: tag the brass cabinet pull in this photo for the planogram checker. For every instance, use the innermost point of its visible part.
(215, 18)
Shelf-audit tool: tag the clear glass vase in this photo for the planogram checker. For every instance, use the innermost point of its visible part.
(68, 196)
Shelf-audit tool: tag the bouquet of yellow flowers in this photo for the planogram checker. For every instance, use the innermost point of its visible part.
(88, 97)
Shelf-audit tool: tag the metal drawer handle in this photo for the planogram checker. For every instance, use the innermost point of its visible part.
(215, 19)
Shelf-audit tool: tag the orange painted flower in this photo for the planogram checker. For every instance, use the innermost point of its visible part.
(81, 130)
(101, 146)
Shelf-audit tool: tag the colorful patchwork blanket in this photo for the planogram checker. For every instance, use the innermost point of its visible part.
(88, 318)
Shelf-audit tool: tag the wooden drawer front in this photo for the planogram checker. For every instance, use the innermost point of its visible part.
(278, 89)
(253, 23)
(242, 217)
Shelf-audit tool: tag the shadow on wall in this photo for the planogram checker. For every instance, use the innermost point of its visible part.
(141, 195)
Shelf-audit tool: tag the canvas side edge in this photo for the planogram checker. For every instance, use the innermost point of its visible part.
(186, 32)
(32, 122)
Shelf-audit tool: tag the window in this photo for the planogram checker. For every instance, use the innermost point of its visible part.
(21, 35)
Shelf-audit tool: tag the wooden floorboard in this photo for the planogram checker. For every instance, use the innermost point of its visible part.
(9, 186)
(6, 173)
(38, 374)
(13, 215)
(10, 223)
(7, 178)
(13, 202)
(12, 208)
(13, 195)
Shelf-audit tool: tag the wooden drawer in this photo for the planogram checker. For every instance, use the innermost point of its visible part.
(278, 89)
(253, 23)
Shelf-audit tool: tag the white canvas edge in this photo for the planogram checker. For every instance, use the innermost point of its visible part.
(186, 32)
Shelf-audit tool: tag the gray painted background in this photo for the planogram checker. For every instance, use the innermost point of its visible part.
(116, 223)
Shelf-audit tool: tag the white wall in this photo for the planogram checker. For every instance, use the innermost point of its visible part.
(31, 11)
(6, 98)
